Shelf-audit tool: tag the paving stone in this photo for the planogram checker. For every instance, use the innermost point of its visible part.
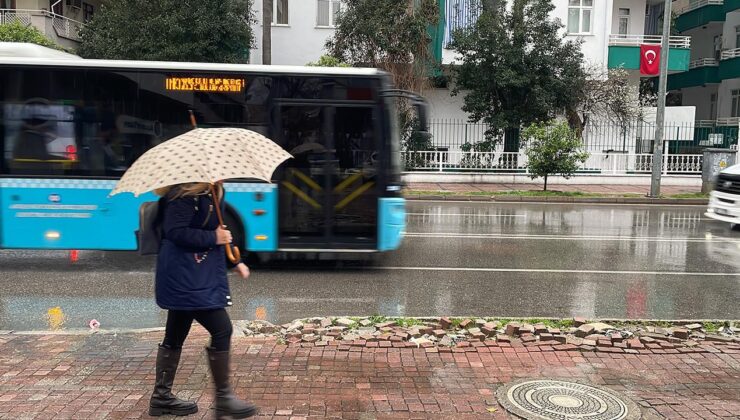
(512, 328)
(526, 328)
(589, 343)
(540, 329)
(295, 326)
(435, 382)
(440, 333)
(366, 322)
(501, 338)
(445, 322)
(719, 338)
(578, 321)
(344, 322)
(600, 327)
(488, 330)
(554, 331)
(616, 337)
(584, 331)
(466, 323)
(480, 322)
(693, 327)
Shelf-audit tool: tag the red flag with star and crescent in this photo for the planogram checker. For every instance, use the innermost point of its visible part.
(650, 60)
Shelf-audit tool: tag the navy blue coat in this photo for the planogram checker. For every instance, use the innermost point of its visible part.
(189, 225)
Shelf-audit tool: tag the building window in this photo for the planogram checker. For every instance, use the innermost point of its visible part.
(579, 16)
(88, 10)
(735, 103)
(737, 36)
(624, 21)
(7, 4)
(328, 11)
(280, 12)
(77, 4)
(717, 47)
(713, 106)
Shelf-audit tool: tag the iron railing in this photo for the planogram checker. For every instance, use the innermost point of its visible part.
(636, 40)
(698, 4)
(516, 162)
(704, 62)
(597, 136)
(729, 54)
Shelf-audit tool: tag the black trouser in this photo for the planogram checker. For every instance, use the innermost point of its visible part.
(216, 321)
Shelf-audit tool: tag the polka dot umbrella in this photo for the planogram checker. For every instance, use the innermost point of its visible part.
(204, 155)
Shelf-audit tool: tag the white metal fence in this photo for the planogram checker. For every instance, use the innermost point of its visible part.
(516, 162)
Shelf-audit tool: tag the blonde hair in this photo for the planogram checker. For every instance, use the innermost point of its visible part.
(188, 190)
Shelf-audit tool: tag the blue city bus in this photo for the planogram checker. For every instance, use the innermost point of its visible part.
(70, 127)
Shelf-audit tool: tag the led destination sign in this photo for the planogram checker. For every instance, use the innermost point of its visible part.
(205, 84)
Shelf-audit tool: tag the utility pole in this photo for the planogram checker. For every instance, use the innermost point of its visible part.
(660, 116)
(267, 32)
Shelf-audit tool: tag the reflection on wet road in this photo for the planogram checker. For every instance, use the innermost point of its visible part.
(483, 259)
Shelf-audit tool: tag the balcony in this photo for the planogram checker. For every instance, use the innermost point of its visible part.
(729, 66)
(60, 29)
(699, 13)
(624, 51)
(731, 5)
(701, 72)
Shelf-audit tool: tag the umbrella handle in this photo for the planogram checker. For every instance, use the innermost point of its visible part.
(232, 252)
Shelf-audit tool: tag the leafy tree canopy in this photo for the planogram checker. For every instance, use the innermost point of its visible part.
(392, 35)
(553, 148)
(515, 68)
(16, 32)
(328, 61)
(170, 30)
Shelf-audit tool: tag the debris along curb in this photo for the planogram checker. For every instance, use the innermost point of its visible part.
(564, 199)
(446, 335)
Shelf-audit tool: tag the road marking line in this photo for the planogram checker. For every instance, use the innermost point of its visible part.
(565, 238)
(463, 214)
(549, 203)
(535, 270)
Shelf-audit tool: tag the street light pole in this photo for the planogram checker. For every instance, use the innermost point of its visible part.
(660, 116)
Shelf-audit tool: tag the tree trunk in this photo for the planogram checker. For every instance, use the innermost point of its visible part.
(267, 32)
(545, 182)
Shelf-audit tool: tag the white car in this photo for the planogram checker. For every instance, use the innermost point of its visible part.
(724, 201)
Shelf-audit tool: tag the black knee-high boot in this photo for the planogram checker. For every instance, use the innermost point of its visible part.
(163, 401)
(227, 404)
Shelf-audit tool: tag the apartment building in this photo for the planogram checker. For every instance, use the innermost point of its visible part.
(712, 83)
(59, 20)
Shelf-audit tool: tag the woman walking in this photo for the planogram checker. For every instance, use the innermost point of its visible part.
(192, 284)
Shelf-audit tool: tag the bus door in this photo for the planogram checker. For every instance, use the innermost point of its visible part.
(329, 191)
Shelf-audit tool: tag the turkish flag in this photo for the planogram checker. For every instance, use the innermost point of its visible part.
(650, 59)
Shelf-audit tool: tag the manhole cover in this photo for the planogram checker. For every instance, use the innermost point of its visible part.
(554, 399)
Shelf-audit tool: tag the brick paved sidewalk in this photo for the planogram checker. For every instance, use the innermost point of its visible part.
(110, 376)
(594, 189)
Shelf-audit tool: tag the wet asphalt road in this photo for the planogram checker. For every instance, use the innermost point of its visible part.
(482, 259)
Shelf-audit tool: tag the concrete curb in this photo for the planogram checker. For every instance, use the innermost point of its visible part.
(586, 200)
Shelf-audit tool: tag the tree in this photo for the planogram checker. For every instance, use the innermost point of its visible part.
(16, 32)
(515, 68)
(170, 30)
(267, 8)
(553, 149)
(328, 61)
(606, 95)
(388, 34)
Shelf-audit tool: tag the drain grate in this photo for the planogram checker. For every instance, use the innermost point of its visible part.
(562, 400)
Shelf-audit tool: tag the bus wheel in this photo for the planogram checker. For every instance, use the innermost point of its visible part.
(735, 226)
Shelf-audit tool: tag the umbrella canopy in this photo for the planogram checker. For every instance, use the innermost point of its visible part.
(203, 155)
